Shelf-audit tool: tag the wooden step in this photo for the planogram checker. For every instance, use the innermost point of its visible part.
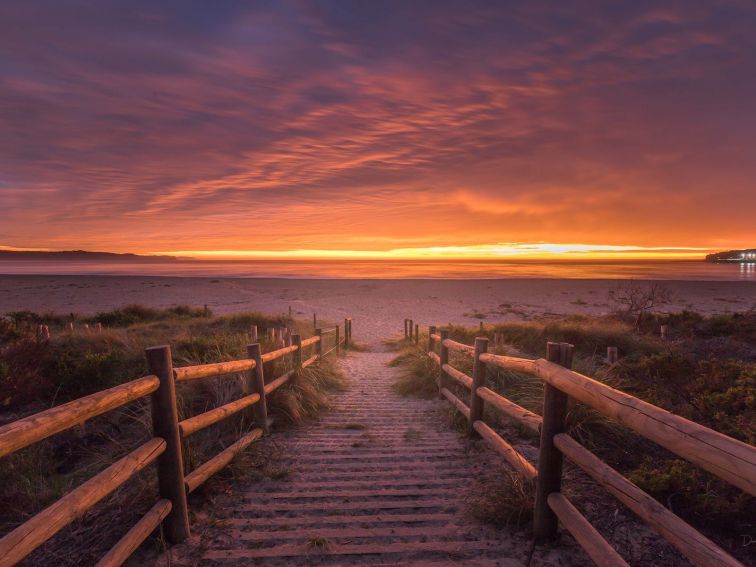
(459, 549)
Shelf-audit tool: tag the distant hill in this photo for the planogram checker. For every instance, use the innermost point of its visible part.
(82, 255)
(746, 255)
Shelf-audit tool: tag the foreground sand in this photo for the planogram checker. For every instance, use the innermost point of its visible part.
(378, 307)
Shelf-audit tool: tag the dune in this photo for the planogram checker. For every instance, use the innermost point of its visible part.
(378, 307)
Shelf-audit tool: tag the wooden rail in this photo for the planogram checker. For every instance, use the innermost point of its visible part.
(29, 430)
(728, 458)
(171, 510)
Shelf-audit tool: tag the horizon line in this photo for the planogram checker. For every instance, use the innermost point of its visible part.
(498, 251)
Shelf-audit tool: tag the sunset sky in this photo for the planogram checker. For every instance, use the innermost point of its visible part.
(228, 129)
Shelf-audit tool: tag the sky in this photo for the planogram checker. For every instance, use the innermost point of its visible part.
(378, 129)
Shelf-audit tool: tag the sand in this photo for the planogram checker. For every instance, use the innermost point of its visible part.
(378, 307)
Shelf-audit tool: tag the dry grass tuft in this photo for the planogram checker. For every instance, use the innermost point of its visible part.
(308, 392)
(417, 373)
(503, 499)
(319, 543)
(356, 346)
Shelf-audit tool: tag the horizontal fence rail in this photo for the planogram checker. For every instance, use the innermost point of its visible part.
(165, 448)
(727, 458)
(29, 430)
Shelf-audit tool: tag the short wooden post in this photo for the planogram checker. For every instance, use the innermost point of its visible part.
(663, 332)
(338, 341)
(431, 332)
(346, 334)
(206, 311)
(549, 479)
(611, 355)
(253, 333)
(319, 344)
(443, 359)
(417, 333)
(170, 466)
(350, 330)
(289, 311)
(315, 321)
(296, 340)
(255, 383)
(481, 325)
(479, 380)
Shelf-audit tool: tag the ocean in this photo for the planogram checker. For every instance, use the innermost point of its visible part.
(399, 269)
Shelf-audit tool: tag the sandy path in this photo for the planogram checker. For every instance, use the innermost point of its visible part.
(380, 480)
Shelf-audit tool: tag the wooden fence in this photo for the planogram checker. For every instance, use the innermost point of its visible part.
(728, 458)
(165, 447)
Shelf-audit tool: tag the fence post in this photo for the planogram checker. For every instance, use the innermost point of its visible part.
(255, 383)
(346, 334)
(611, 354)
(550, 458)
(338, 340)
(296, 340)
(405, 328)
(443, 359)
(170, 466)
(319, 344)
(315, 321)
(417, 333)
(479, 380)
(431, 332)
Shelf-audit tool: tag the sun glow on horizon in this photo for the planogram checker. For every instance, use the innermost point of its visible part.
(500, 251)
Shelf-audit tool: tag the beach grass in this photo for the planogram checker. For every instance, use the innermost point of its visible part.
(705, 371)
(38, 373)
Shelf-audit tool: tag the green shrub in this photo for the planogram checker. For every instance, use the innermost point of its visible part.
(135, 314)
(78, 364)
(692, 493)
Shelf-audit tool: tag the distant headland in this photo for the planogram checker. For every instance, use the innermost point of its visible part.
(82, 255)
(742, 256)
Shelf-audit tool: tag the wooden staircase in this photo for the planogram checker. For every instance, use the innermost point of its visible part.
(379, 481)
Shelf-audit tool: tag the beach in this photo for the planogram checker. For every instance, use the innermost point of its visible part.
(377, 307)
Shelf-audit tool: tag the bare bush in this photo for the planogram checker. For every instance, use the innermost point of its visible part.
(636, 299)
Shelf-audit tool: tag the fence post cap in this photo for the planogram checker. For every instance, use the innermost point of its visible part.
(481, 343)
(156, 348)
